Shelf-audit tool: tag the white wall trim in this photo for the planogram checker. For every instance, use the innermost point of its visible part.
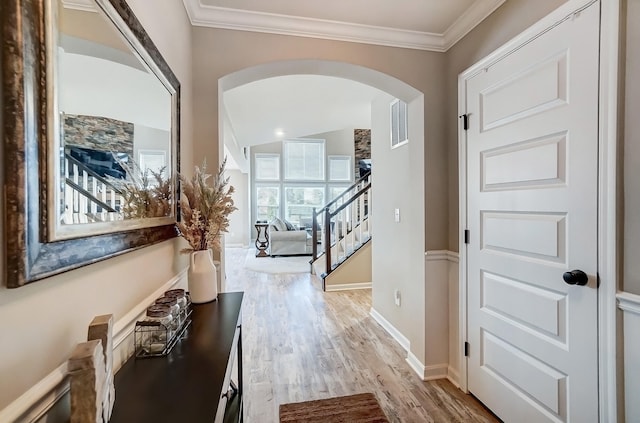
(416, 365)
(629, 302)
(271, 23)
(453, 256)
(435, 255)
(608, 231)
(435, 372)
(453, 376)
(424, 372)
(395, 333)
(347, 286)
(35, 403)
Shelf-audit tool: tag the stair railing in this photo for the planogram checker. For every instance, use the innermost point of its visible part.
(345, 224)
(86, 192)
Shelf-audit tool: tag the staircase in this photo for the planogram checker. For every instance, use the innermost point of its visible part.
(88, 197)
(341, 238)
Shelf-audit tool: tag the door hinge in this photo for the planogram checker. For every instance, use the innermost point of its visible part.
(466, 349)
(466, 236)
(465, 121)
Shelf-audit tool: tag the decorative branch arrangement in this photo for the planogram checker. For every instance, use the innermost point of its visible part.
(144, 195)
(205, 209)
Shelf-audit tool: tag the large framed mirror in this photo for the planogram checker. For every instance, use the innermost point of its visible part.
(91, 135)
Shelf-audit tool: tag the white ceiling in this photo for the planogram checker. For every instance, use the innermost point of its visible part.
(302, 105)
(297, 105)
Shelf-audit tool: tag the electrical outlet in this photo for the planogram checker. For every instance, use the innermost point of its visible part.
(396, 297)
(397, 215)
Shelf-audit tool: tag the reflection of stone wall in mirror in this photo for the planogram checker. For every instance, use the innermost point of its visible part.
(101, 80)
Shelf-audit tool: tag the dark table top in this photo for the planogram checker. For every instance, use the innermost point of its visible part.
(186, 384)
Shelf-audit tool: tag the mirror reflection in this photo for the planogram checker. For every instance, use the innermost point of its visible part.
(114, 118)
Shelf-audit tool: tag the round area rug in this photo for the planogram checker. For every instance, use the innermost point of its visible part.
(274, 265)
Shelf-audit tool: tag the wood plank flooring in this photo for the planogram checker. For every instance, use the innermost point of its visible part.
(302, 344)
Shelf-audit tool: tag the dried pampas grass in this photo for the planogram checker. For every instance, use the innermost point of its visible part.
(205, 209)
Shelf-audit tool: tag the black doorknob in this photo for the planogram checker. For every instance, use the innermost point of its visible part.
(575, 277)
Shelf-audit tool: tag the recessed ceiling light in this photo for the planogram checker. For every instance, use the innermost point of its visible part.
(279, 133)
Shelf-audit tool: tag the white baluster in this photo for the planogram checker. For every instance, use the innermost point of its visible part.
(94, 192)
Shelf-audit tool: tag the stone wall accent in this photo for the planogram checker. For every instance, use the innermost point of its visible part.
(362, 141)
(98, 133)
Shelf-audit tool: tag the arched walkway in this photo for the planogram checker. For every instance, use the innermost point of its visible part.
(399, 183)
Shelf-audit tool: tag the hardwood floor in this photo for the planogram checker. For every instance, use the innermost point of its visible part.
(302, 344)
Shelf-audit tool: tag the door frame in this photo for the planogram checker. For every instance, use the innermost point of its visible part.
(608, 220)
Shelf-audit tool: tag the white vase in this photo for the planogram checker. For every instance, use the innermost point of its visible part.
(203, 277)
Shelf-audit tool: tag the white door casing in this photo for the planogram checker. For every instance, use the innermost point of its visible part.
(531, 173)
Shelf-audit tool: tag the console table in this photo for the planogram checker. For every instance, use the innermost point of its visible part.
(193, 383)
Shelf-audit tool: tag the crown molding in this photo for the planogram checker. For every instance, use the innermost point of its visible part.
(271, 23)
(469, 20)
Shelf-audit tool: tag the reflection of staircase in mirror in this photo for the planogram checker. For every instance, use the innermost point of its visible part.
(341, 239)
(88, 197)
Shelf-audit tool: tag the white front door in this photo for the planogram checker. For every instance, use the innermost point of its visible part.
(532, 157)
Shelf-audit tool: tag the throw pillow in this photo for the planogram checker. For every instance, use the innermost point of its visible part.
(278, 224)
(289, 225)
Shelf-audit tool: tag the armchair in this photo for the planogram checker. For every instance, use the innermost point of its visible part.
(287, 242)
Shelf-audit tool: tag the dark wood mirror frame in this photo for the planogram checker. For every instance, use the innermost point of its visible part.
(29, 257)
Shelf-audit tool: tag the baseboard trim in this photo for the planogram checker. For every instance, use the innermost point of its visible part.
(416, 365)
(395, 333)
(453, 376)
(437, 371)
(347, 286)
(41, 397)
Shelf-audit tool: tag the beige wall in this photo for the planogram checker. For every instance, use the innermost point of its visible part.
(513, 17)
(239, 220)
(220, 52)
(397, 254)
(42, 322)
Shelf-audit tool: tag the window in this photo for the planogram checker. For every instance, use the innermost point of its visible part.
(267, 202)
(304, 160)
(399, 123)
(335, 191)
(267, 167)
(339, 168)
(300, 200)
(154, 160)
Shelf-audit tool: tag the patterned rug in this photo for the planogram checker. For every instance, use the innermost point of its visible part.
(360, 408)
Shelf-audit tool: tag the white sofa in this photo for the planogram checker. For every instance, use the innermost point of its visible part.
(287, 242)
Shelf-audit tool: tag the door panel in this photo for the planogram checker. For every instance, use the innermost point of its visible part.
(526, 165)
(535, 89)
(531, 209)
